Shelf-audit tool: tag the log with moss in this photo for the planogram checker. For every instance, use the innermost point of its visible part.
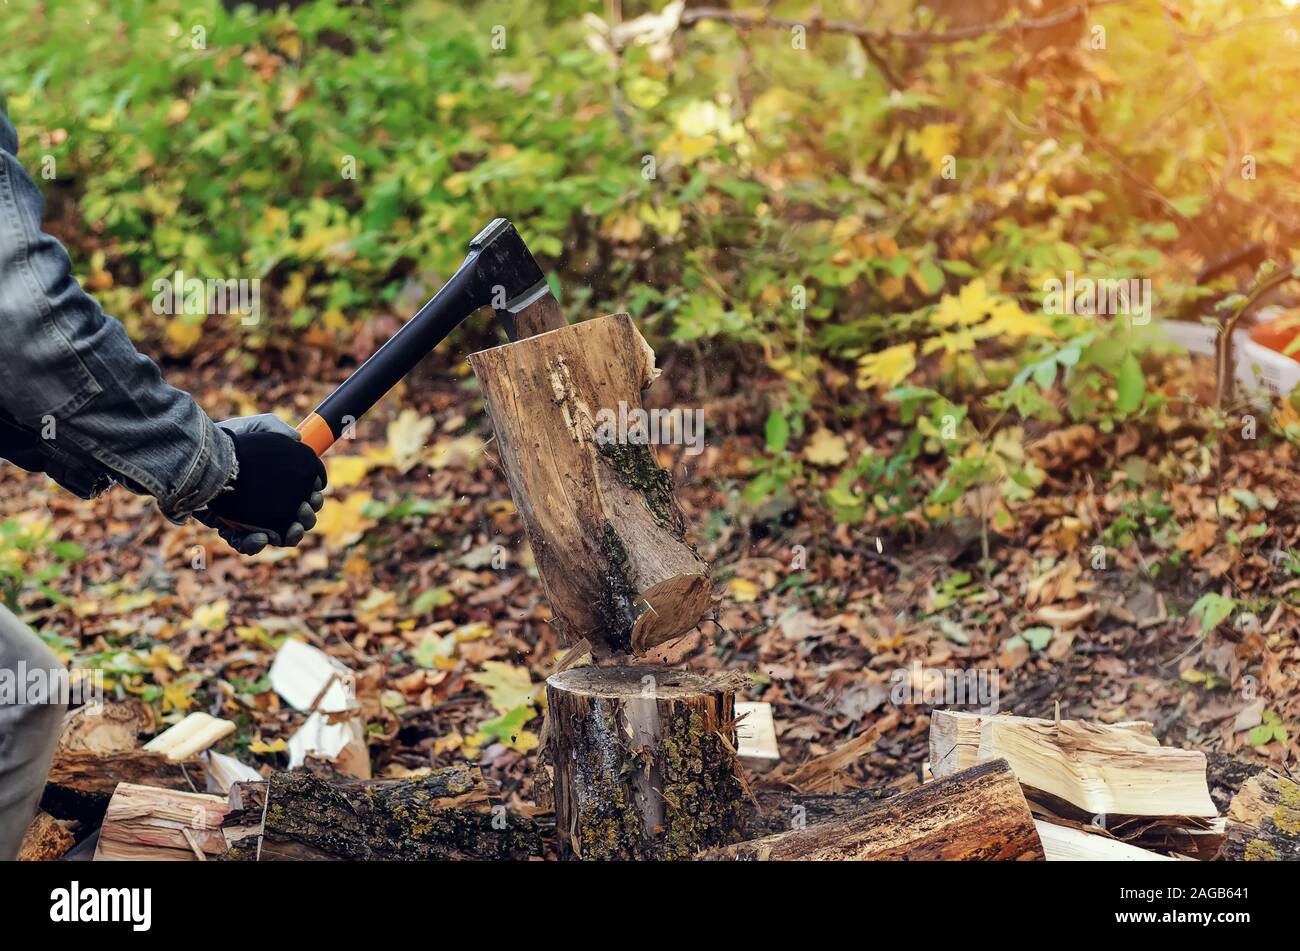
(444, 815)
(1264, 821)
(606, 532)
(644, 761)
(977, 814)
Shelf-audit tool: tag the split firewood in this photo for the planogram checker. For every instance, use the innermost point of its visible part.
(81, 783)
(190, 737)
(645, 762)
(148, 824)
(46, 840)
(224, 771)
(313, 682)
(606, 532)
(1264, 820)
(1071, 844)
(977, 814)
(1101, 769)
(445, 815)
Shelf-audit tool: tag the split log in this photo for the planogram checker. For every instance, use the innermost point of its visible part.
(81, 782)
(445, 815)
(147, 824)
(645, 763)
(1101, 769)
(979, 814)
(606, 532)
(1069, 844)
(190, 737)
(1264, 821)
(45, 840)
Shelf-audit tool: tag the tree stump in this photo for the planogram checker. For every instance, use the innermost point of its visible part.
(644, 760)
(606, 532)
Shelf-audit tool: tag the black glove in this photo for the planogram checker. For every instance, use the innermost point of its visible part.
(275, 497)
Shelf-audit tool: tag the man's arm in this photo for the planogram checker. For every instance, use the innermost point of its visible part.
(71, 371)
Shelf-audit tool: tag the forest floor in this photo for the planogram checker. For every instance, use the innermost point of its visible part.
(419, 579)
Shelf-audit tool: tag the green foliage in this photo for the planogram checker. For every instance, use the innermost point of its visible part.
(32, 558)
(730, 190)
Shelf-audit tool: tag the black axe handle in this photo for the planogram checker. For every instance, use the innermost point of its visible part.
(498, 270)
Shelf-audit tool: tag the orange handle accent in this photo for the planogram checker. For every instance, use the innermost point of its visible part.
(316, 433)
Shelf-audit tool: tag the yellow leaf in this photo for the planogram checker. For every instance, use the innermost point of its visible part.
(184, 334)
(826, 448)
(888, 367)
(935, 143)
(294, 291)
(461, 451)
(177, 697)
(525, 741)
(260, 746)
(969, 307)
(211, 617)
(342, 523)
(742, 589)
(624, 228)
(507, 686)
(1009, 320)
(407, 435)
(346, 471)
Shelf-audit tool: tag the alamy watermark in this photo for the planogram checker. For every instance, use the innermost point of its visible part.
(1126, 296)
(946, 686)
(179, 294)
(33, 686)
(639, 427)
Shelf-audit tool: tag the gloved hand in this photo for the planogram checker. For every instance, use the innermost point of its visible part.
(277, 493)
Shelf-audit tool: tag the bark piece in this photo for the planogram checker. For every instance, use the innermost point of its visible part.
(979, 814)
(1101, 769)
(1264, 821)
(45, 840)
(81, 783)
(148, 824)
(445, 815)
(606, 532)
(645, 763)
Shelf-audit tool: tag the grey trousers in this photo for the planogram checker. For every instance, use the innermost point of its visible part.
(28, 730)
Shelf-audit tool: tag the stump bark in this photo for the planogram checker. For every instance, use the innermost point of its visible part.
(606, 532)
(644, 761)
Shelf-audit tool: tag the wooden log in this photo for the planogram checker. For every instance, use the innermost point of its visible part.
(148, 824)
(45, 840)
(445, 815)
(82, 782)
(1264, 821)
(644, 761)
(606, 532)
(979, 814)
(107, 728)
(1101, 769)
(1071, 844)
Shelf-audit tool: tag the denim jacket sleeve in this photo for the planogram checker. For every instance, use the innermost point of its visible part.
(71, 373)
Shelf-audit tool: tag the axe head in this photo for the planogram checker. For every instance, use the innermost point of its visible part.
(514, 285)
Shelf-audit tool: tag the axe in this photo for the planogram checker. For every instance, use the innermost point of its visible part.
(498, 270)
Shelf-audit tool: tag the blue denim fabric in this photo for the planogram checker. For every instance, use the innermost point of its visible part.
(89, 409)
